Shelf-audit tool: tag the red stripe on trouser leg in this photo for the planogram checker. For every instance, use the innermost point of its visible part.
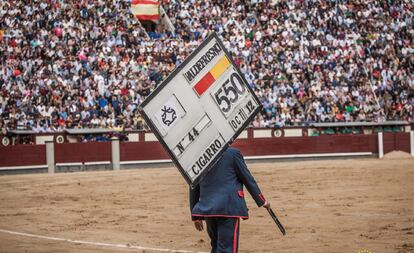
(236, 227)
(262, 198)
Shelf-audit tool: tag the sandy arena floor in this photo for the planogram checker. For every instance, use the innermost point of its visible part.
(326, 206)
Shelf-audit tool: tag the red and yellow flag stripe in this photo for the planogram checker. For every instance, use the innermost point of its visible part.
(215, 72)
(145, 9)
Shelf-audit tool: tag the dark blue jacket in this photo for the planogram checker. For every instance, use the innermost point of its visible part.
(220, 193)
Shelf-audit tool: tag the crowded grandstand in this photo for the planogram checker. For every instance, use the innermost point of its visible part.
(90, 64)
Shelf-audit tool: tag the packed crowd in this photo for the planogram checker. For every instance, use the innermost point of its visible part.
(77, 64)
(315, 61)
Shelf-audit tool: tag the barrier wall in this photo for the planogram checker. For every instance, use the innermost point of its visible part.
(34, 155)
(308, 145)
(22, 155)
(324, 144)
(139, 151)
(396, 141)
(82, 152)
(142, 151)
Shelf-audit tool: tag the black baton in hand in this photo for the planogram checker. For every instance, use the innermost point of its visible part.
(276, 220)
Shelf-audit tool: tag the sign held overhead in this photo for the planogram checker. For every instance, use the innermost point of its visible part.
(200, 108)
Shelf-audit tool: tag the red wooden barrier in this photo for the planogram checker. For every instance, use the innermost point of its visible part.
(26, 155)
(403, 142)
(137, 151)
(82, 152)
(308, 145)
(22, 155)
(396, 141)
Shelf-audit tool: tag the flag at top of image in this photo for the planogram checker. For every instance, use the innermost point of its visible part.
(146, 9)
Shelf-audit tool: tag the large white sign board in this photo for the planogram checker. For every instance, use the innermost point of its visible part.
(200, 108)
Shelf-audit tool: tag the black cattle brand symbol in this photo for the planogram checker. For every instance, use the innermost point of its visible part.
(168, 116)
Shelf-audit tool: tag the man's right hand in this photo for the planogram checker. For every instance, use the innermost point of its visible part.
(198, 224)
(266, 204)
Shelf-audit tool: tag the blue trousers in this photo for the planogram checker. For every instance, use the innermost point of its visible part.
(224, 234)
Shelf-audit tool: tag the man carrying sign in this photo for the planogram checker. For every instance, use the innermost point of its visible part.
(195, 113)
(219, 200)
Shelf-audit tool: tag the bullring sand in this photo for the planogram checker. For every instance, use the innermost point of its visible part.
(326, 206)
